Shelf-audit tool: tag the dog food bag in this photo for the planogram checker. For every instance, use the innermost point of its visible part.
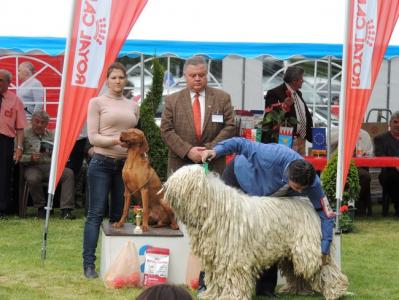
(156, 266)
(125, 269)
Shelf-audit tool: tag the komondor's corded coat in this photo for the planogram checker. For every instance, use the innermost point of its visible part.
(236, 236)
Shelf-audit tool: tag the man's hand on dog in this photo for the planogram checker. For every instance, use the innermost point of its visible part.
(207, 155)
(195, 154)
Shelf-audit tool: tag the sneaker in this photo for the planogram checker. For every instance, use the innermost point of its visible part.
(67, 214)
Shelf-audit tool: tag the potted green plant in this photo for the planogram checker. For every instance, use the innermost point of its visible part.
(274, 117)
(350, 194)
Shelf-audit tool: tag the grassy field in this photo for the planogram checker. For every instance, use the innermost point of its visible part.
(370, 258)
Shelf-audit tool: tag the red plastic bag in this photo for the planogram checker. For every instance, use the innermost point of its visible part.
(156, 266)
(125, 269)
(193, 271)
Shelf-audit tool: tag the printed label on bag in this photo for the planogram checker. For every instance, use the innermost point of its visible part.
(156, 266)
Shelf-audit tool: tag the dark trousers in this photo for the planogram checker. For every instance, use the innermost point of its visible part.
(104, 176)
(6, 161)
(267, 281)
(77, 155)
(389, 179)
(364, 203)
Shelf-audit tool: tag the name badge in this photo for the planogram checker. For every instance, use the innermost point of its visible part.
(217, 118)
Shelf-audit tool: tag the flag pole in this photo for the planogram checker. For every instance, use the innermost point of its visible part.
(54, 156)
(342, 104)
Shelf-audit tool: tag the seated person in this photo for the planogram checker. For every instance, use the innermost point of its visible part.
(364, 148)
(387, 144)
(36, 159)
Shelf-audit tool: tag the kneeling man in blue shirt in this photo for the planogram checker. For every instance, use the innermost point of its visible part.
(274, 170)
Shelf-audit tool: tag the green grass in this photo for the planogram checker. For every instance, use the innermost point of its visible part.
(370, 259)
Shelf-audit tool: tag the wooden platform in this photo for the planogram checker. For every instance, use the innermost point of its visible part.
(128, 230)
(177, 241)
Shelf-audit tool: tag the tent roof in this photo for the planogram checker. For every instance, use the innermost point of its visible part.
(184, 49)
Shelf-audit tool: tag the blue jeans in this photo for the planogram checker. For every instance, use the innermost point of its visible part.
(104, 176)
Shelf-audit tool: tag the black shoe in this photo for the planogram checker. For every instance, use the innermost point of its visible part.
(90, 272)
(41, 213)
(201, 282)
(66, 214)
(268, 294)
(3, 216)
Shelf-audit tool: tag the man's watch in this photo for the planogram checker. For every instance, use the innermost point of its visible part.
(20, 147)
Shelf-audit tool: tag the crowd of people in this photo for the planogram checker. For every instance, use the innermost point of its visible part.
(197, 126)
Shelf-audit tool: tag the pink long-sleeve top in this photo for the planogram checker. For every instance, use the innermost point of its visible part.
(107, 117)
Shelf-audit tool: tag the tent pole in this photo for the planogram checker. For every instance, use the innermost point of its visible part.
(342, 103)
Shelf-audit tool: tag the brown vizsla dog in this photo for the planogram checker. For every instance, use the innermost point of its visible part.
(141, 180)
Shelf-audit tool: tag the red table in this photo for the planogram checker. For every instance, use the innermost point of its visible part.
(319, 163)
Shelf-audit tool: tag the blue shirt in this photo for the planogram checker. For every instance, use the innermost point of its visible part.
(261, 170)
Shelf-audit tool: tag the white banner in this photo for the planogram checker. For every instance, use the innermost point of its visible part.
(363, 39)
(91, 43)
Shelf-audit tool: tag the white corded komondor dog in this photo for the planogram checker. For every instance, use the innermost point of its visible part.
(236, 236)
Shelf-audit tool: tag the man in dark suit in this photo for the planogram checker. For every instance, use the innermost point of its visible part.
(387, 144)
(187, 132)
(289, 93)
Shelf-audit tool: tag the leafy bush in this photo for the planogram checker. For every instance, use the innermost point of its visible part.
(158, 151)
(329, 178)
(350, 194)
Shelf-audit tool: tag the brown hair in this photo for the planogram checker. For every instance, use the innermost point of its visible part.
(165, 292)
(116, 66)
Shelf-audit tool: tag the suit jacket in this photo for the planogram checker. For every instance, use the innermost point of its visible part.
(279, 94)
(177, 126)
(386, 145)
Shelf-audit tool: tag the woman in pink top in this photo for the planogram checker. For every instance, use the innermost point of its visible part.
(108, 115)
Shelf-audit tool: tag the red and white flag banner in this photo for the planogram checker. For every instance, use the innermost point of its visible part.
(370, 26)
(99, 29)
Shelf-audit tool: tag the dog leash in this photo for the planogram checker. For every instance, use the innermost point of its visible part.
(205, 165)
(148, 179)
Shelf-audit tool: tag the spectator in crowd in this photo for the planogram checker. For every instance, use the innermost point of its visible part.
(274, 170)
(30, 90)
(387, 144)
(165, 292)
(78, 152)
(108, 115)
(289, 93)
(196, 118)
(12, 123)
(36, 159)
(364, 148)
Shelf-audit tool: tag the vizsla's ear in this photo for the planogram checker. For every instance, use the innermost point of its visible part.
(144, 148)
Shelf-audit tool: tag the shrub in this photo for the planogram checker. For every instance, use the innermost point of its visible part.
(158, 151)
(350, 194)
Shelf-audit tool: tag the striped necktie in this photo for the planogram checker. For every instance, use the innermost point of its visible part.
(300, 115)
(197, 116)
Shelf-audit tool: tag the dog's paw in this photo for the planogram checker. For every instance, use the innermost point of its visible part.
(145, 228)
(118, 224)
(174, 226)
